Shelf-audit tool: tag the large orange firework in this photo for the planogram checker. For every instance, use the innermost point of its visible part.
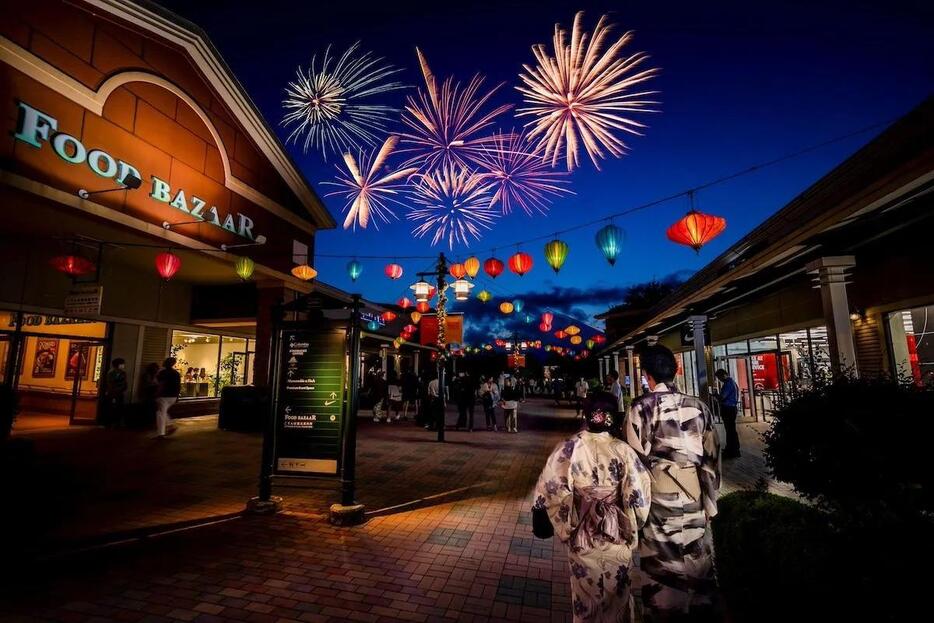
(366, 193)
(444, 123)
(580, 96)
(519, 175)
(454, 205)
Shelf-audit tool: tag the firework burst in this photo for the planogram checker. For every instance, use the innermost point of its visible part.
(444, 123)
(454, 205)
(580, 96)
(368, 194)
(519, 174)
(324, 106)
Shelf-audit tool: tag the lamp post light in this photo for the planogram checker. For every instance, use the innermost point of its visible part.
(422, 290)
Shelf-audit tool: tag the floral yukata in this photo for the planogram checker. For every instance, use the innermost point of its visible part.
(596, 492)
(674, 434)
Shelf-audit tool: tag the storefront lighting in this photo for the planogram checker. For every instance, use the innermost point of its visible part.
(422, 290)
(304, 272)
(72, 265)
(167, 264)
(462, 289)
(244, 268)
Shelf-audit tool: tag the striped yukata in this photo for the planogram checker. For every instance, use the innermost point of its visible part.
(673, 433)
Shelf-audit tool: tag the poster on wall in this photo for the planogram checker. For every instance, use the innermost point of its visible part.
(78, 359)
(43, 366)
(310, 401)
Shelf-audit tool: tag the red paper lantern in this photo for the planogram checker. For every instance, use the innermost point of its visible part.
(520, 263)
(560, 334)
(404, 303)
(72, 265)
(547, 317)
(544, 327)
(167, 264)
(493, 267)
(388, 316)
(409, 328)
(458, 271)
(599, 339)
(431, 292)
(696, 229)
(393, 271)
(423, 307)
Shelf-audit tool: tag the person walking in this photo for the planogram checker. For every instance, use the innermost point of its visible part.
(580, 393)
(409, 393)
(673, 434)
(378, 395)
(489, 396)
(729, 399)
(115, 386)
(394, 399)
(169, 387)
(510, 402)
(596, 494)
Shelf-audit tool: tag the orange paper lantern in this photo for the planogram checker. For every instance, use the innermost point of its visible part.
(423, 307)
(472, 266)
(520, 263)
(457, 271)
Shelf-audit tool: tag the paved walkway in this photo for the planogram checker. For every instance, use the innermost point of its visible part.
(448, 536)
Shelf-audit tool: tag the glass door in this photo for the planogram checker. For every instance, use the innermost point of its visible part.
(85, 369)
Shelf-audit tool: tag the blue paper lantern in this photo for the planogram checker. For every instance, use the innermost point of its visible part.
(518, 304)
(354, 269)
(372, 325)
(610, 241)
(528, 318)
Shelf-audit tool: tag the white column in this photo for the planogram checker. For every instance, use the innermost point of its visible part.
(600, 368)
(616, 363)
(698, 326)
(384, 358)
(633, 381)
(830, 277)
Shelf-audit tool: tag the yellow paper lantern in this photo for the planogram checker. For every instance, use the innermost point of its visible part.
(484, 296)
(572, 330)
(304, 272)
(506, 307)
(576, 339)
(472, 266)
(244, 267)
(415, 316)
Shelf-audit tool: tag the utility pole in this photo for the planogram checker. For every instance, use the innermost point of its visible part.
(440, 273)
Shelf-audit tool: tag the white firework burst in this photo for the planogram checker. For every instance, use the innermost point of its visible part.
(454, 205)
(323, 105)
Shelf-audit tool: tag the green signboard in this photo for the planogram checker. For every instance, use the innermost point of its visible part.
(310, 402)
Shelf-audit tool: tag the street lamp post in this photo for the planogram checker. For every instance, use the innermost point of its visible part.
(440, 272)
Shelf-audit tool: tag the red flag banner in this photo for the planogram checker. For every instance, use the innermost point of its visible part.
(428, 329)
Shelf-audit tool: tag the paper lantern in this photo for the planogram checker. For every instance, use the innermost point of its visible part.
(484, 296)
(544, 327)
(422, 290)
(372, 325)
(416, 317)
(493, 267)
(610, 241)
(576, 339)
(499, 342)
(506, 307)
(519, 304)
(556, 252)
(432, 291)
(72, 265)
(548, 348)
(423, 307)
(560, 334)
(547, 317)
(304, 272)
(244, 267)
(393, 271)
(472, 266)
(404, 303)
(599, 339)
(409, 328)
(696, 229)
(388, 316)
(462, 289)
(354, 269)
(528, 318)
(520, 263)
(590, 344)
(397, 343)
(572, 329)
(458, 271)
(167, 264)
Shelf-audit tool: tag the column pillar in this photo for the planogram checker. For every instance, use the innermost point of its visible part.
(630, 362)
(600, 365)
(830, 274)
(268, 295)
(384, 358)
(698, 326)
(616, 361)
(415, 368)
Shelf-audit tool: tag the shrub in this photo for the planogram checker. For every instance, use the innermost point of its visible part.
(774, 557)
(845, 445)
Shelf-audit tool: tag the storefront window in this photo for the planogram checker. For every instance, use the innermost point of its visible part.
(686, 375)
(208, 363)
(912, 344)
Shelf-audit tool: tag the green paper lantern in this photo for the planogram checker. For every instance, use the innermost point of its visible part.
(244, 267)
(556, 252)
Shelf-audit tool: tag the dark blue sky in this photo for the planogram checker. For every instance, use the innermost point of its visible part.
(741, 82)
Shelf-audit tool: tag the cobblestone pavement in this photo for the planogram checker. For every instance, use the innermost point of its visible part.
(448, 536)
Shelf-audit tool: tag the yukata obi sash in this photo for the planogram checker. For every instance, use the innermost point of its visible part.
(600, 518)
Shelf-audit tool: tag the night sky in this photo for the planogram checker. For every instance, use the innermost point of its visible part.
(741, 83)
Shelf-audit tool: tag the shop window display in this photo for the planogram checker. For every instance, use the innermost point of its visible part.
(911, 332)
(209, 362)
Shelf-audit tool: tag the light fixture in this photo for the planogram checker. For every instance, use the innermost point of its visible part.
(167, 264)
(72, 265)
(129, 182)
(462, 289)
(422, 290)
(244, 268)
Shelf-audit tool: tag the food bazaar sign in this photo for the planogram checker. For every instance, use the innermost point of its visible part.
(37, 129)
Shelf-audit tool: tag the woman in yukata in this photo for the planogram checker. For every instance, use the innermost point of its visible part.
(597, 493)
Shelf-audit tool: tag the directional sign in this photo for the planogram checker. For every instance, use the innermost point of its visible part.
(310, 405)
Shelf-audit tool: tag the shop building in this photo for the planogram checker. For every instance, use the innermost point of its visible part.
(125, 97)
(840, 279)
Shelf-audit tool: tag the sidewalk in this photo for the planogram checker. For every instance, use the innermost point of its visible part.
(448, 536)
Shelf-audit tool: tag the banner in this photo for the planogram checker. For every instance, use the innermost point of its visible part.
(428, 329)
(310, 410)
